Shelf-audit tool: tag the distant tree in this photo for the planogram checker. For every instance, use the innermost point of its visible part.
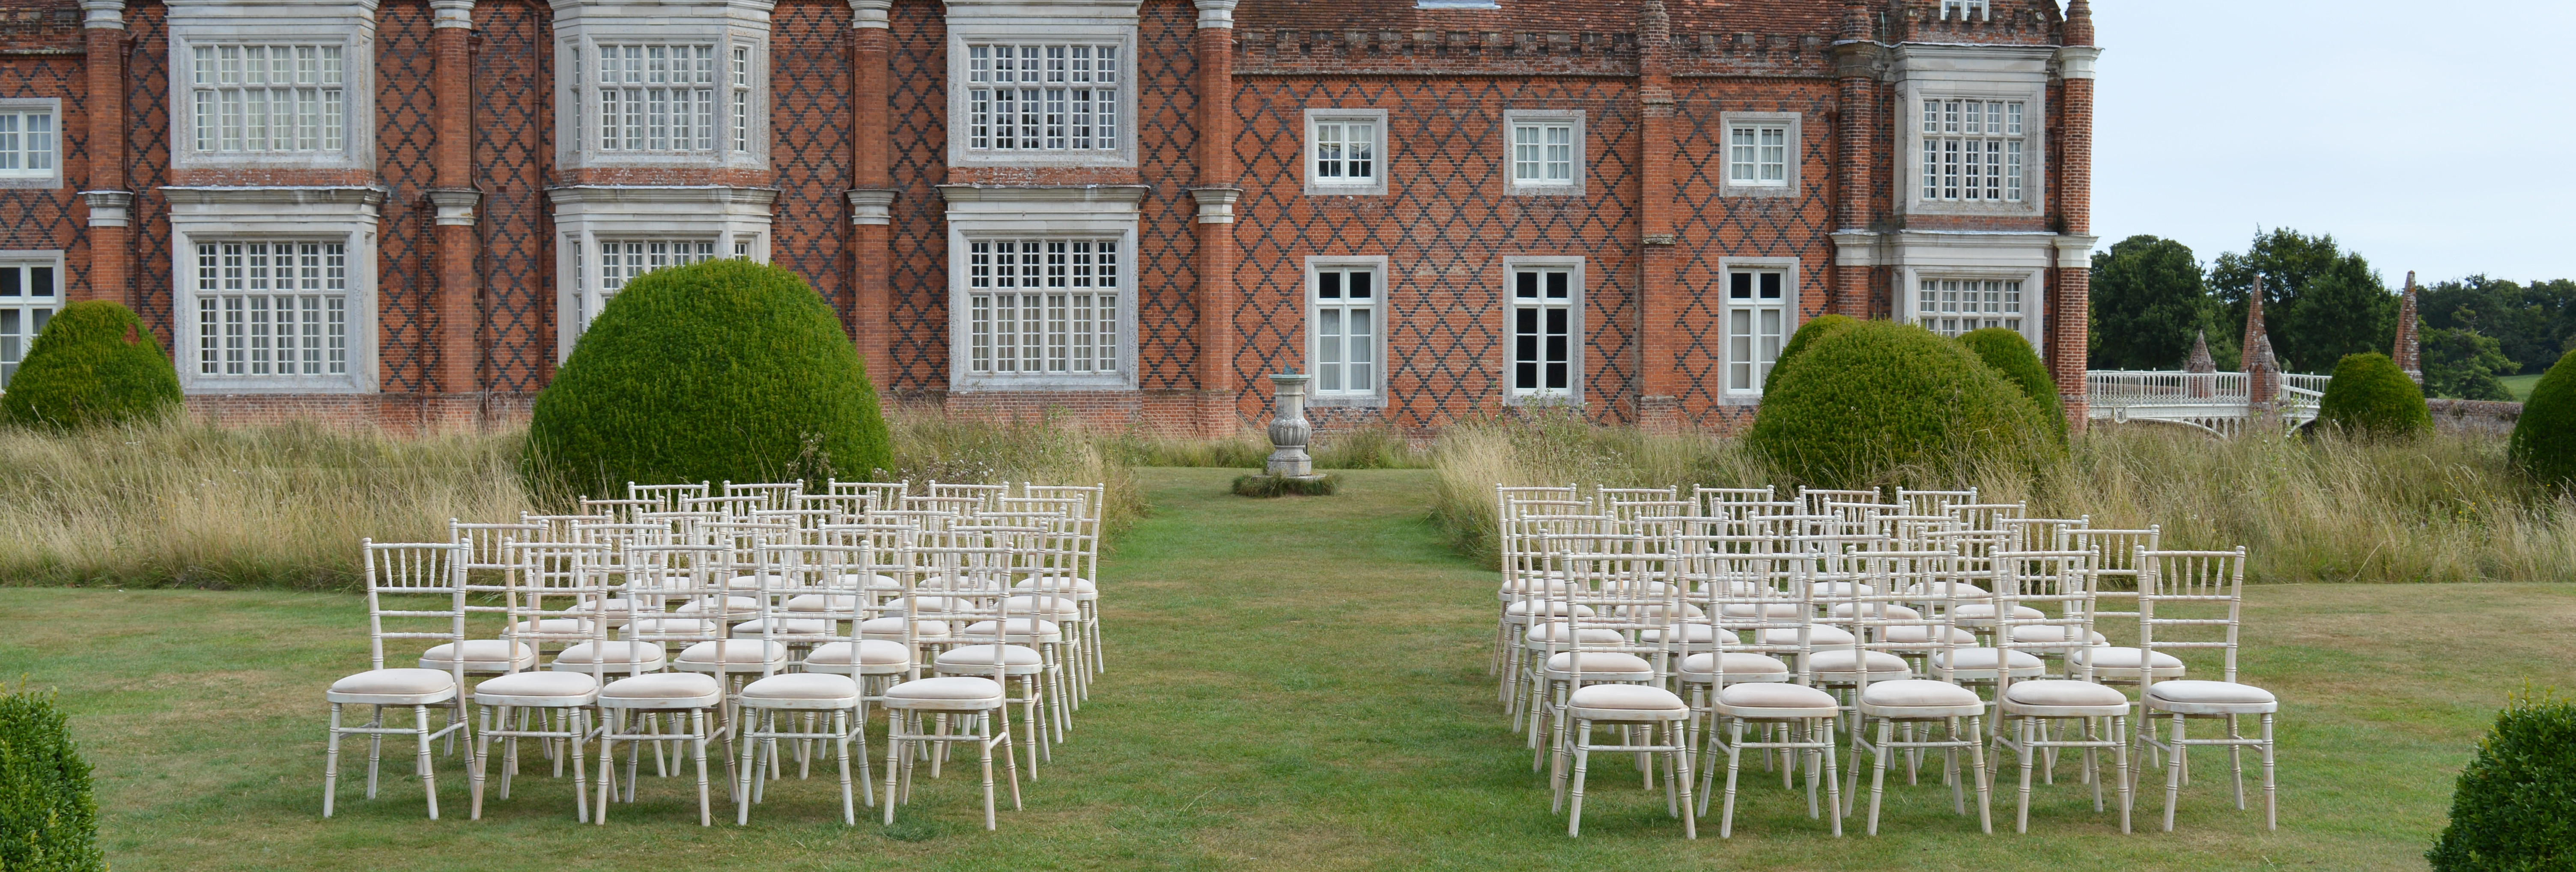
(2149, 300)
(2320, 302)
(2532, 324)
(2462, 365)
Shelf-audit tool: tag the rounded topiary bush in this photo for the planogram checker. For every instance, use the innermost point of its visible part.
(723, 370)
(1872, 396)
(2011, 356)
(48, 819)
(2370, 396)
(1806, 335)
(2510, 810)
(2544, 438)
(95, 363)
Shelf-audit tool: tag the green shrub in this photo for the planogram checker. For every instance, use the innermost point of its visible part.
(2544, 439)
(48, 821)
(2370, 396)
(2510, 812)
(95, 364)
(1872, 397)
(2011, 357)
(1798, 342)
(1268, 486)
(723, 370)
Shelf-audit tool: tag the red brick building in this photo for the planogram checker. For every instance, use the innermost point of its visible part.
(406, 211)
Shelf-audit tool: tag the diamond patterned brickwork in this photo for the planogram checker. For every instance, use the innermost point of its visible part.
(1166, 128)
(406, 277)
(47, 218)
(810, 123)
(1445, 226)
(918, 117)
(1709, 227)
(147, 155)
(513, 143)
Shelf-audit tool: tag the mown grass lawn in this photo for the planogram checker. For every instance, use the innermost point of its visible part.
(2520, 385)
(1295, 684)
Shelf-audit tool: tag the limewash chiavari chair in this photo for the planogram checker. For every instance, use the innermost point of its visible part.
(1053, 566)
(1985, 516)
(1814, 501)
(988, 497)
(1535, 615)
(875, 664)
(671, 497)
(1714, 500)
(619, 511)
(1932, 502)
(1621, 583)
(2185, 598)
(1596, 578)
(418, 590)
(690, 704)
(1919, 705)
(484, 568)
(2115, 572)
(551, 706)
(1761, 589)
(979, 702)
(880, 494)
(771, 496)
(1085, 519)
(787, 705)
(840, 508)
(1033, 643)
(2033, 715)
(1521, 575)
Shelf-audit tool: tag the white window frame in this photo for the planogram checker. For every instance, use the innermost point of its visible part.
(346, 216)
(246, 318)
(1317, 184)
(1103, 212)
(734, 221)
(737, 38)
(1792, 149)
(1965, 8)
(14, 345)
(21, 146)
(1981, 296)
(1576, 156)
(973, 23)
(209, 23)
(1065, 298)
(1380, 310)
(1572, 393)
(1986, 73)
(1732, 353)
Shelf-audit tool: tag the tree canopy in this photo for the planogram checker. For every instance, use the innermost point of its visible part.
(2320, 302)
(2149, 300)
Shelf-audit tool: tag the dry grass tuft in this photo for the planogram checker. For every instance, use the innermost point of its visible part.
(2443, 508)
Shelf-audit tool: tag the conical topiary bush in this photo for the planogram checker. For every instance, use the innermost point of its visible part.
(2011, 356)
(1867, 398)
(2369, 396)
(2544, 438)
(723, 370)
(95, 363)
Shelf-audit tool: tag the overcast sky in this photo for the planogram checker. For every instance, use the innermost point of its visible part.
(2435, 137)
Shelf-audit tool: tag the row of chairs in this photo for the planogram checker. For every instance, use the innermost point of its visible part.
(1682, 629)
(752, 616)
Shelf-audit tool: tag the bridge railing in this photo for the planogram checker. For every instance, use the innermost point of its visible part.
(2117, 388)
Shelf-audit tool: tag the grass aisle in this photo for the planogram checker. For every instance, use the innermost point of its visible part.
(1295, 684)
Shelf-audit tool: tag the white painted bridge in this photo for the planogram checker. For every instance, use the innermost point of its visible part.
(2220, 403)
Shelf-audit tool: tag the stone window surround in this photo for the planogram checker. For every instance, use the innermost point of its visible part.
(208, 21)
(995, 211)
(1111, 22)
(1789, 300)
(1306, 151)
(588, 23)
(1376, 399)
(1512, 186)
(1916, 255)
(590, 213)
(284, 214)
(1971, 72)
(1574, 329)
(1726, 185)
(48, 104)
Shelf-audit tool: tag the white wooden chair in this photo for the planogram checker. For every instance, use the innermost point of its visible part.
(1620, 584)
(1029, 646)
(1753, 687)
(671, 497)
(979, 702)
(1085, 523)
(1919, 705)
(2032, 716)
(773, 496)
(1932, 502)
(551, 706)
(2185, 598)
(782, 705)
(414, 591)
(661, 708)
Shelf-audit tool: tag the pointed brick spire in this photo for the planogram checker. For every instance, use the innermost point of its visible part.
(2409, 352)
(2200, 361)
(2079, 23)
(2259, 361)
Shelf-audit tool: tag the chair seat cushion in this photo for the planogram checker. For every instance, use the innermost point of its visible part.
(675, 626)
(616, 655)
(952, 693)
(811, 687)
(1818, 635)
(1602, 666)
(2122, 662)
(538, 689)
(482, 655)
(1047, 631)
(1776, 700)
(2052, 634)
(1935, 698)
(837, 656)
(1983, 660)
(663, 690)
(1841, 589)
(1061, 608)
(1947, 589)
(2055, 696)
(1549, 608)
(925, 605)
(733, 605)
(1740, 666)
(1016, 659)
(1835, 664)
(1662, 613)
(1985, 612)
(742, 652)
(892, 628)
(1883, 611)
(1774, 611)
(786, 627)
(554, 626)
(1690, 634)
(1559, 631)
(857, 581)
(1614, 702)
(1058, 583)
(2209, 697)
(843, 603)
(394, 687)
(1922, 634)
